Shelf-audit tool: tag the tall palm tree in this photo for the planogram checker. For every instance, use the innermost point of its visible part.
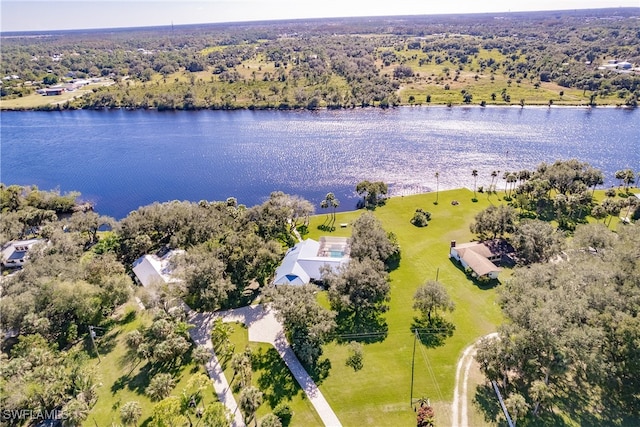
(494, 175)
(334, 204)
(437, 186)
(324, 204)
(511, 179)
(628, 179)
(474, 174)
(250, 401)
(330, 201)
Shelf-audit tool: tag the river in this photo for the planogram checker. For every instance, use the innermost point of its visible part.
(121, 160)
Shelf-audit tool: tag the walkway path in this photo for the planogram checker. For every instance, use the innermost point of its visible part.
(263, 327)
(459, 409)
(201, 335)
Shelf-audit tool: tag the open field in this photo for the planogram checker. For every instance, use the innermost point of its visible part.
(380, 393)
(35, 100)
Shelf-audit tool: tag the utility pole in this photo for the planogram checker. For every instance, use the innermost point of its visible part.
(413, 359)
(92, 334)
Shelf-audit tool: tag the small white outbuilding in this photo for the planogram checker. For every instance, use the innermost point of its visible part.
(150, 269)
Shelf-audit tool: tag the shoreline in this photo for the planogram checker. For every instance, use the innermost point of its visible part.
(57, 107)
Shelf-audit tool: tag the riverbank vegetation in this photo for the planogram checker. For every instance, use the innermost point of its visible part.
(535, 58)
(575, 265)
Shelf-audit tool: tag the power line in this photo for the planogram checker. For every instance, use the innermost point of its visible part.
(430, 370)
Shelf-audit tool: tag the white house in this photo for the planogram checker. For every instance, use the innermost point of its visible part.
(151, 269)
(302, 263)
(15, 253)
(478, 256)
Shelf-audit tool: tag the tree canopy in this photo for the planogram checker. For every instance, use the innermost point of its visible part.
(306, 323)
(571, 324)
(361, 287)
(373, 193)
(370, 240)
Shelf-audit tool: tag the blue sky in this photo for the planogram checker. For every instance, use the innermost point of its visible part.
(36, 15)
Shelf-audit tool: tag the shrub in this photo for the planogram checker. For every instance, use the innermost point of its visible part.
(426, 416)
(201, 355)
(354, 360)
(270, 420)
(421, 218)
(283, 412)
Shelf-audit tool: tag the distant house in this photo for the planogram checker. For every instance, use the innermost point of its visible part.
(51, 91)
(15, 253)
(303, 262)
(150, 269)
(479, 256)
(614, 64)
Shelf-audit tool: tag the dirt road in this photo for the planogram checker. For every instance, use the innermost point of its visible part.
(459, 407)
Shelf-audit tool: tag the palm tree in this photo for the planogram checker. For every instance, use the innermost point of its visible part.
(506, 186)
(511, 179)
(75, 412)
(250, 401)
(437, 187)
(241, 365)
(494, 175)
(324, 204)
(220, 332)
(330, 201)
(628, 179)
(130, 413)
(160, 386)
(474, 174)
(334, 204)
(201, 355)
(631, 202)
(598, 212)
(424, 401)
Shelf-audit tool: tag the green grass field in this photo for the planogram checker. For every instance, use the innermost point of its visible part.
(380, 393)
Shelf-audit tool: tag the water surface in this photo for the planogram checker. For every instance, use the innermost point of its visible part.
(124, 159)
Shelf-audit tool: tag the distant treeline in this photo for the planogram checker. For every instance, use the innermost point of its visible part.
(539, 58)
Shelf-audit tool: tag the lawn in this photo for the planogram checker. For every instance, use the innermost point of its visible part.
(380, 393)
(273, 378)
(36, 100)
(121, 381)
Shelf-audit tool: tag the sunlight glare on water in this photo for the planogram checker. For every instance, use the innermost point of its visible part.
(124, 159)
